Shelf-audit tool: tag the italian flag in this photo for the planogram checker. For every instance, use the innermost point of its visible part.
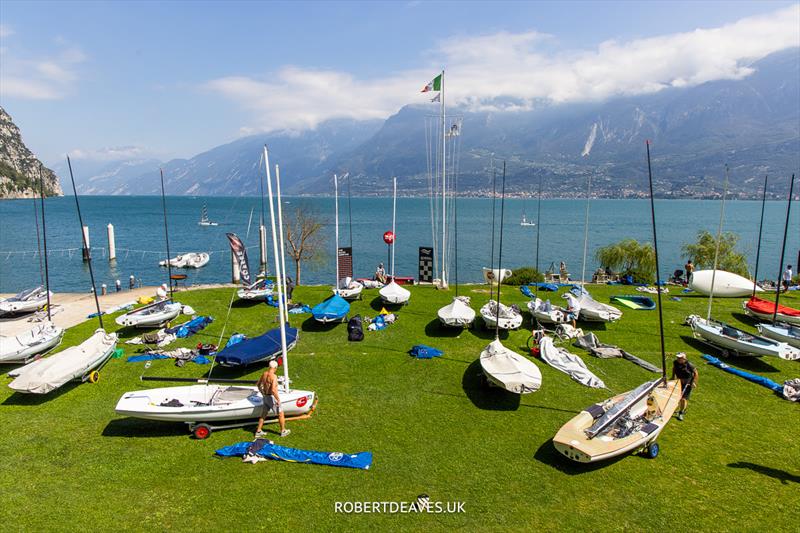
(434, 85)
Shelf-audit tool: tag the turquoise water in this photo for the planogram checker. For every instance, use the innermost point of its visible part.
(139, 232)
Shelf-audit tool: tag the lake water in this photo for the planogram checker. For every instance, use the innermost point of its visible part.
(139, 231)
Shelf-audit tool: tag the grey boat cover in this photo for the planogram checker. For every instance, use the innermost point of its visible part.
(592, 344)
(569, 363)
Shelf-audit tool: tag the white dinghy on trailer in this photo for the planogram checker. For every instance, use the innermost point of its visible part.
(31, 344)
(26, 301)
(151, 315)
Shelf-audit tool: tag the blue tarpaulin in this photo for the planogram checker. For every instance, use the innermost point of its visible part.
(269, 450)
(187, 329)
(256, 349)
(199, 359)
(334, 308)
(755, 378)
(421, 351)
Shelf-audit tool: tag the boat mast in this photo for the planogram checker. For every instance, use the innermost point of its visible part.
(44, 238)
(760, 227)
(278, 273)
(586, 233)
(166, 232)
(283, 253)
(262, 238)
(85, 244)
(455, 226)
(783, 251)
(336, 210)
(444, 189)
(716, 252)
(500, 254)
(394, 216)
(491, 262)
(658, 274)
(538, 227)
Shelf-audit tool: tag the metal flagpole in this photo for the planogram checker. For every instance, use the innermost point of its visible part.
(658, 274)
(444, 189)
(394, 217)
(336, 210)
(280, 229)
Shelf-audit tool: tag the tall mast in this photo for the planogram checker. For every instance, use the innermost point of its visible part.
(500, 254)
(538, 229)
(394, 217)
(44, 238)
(719, 237)
(760, 227)
(336, 210)
(444, 188)
(166, 232)
(280, 229)
(491, 262)
(658, 273)
(455, 225)
(783, 251)
(278, 274)
(85, 244)
(586, 232)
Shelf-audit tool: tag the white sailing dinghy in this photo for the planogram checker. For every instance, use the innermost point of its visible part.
(197, 260)
(204, 220)
(31, 344)
(568, 363)
(76, 362)
(546, 313)
(628, 422)
(151, 315)
(731, 340)
(594, 311)
(26, 301)
(725, 284)
(392, 293)
(781, 332)
(457, 313)
(349, 289)
(500, 316)
(206, 404)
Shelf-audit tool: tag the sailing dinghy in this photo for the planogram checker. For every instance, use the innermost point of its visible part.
(256, 291)
(76, 362)
(151, 315)
(729, 339)
(349, 289)
(545, 312)
(26, 301)
(765, 309)
(781, 332)
(509, 370)
(594, 311)
(458, 313)
(628, 422)
(725, 284)
(257, 349)
(204, 220)
(31, 344)
(500, 316)
(392, 293)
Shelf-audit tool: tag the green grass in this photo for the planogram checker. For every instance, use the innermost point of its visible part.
(734, 464)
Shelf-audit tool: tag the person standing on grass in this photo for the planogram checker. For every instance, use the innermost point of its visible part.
(787, 278)
(689, 268)
(573, 308)
(687, 374)
(268, 387)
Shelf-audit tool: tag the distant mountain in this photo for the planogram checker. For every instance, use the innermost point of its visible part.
(752, 124)
(109, 177)
(19, 168)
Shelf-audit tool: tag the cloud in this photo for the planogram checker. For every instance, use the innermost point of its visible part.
(112, 153)
(515, 71)
(40, 77)
(6, 31)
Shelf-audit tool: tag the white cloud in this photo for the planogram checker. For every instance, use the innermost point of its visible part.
(112, 153)
(520, 69)
(39, 77)
(6, 31)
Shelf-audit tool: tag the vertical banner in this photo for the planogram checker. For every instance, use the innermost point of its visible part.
(345, 258)
(425, 264)
(240, 253)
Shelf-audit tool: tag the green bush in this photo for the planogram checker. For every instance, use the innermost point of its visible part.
(524, 276)
(702, 252)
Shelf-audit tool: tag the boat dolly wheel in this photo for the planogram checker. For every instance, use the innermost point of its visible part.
(651, 452)
(93, 376)
(200, 431)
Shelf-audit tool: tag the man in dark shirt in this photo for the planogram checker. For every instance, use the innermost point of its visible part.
(689, 268)
(687, 374)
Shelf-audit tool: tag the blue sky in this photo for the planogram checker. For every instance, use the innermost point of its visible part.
(171, 79)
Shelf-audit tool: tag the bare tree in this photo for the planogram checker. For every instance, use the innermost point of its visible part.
(304, 237)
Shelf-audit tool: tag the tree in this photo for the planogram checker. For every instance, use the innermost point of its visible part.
(629, 257)
(702, 253)
(304, 238)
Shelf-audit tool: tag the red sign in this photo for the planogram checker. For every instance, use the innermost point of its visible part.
(388, 237)
(302, 401)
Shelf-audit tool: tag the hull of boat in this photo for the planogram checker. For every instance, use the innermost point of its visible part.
(394, 294)
(787, 333)
(208, 403)
(509, 370)
(457, 314)
(726, 284)
(767, 309)
(254, 294)
(31, 344)
(10, 306)
(556, 315)
(49, 373)
(150, 316)
(572, 441)
(740, 342)
(351, 293)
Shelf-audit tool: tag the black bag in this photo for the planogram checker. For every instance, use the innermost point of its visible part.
(355, 331)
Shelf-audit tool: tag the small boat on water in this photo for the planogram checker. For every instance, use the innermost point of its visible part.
(188, 260)
(27, 301)
(725, 284)
(31, 344)
(204, 220)
(526, 222)
(76, 362)
(151, 315)
(633, 301)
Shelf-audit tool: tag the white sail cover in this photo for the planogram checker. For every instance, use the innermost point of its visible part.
(594, 311)
(569, 363)
(394, 293)
(457, 313)
(49, 373)
(24, 346)
(510, 370)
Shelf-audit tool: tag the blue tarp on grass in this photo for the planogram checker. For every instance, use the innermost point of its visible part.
(269, 450)
(755, 378)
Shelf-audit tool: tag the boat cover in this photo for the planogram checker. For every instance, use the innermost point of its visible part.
(591, 343)
(755, 378)
(509, 369)
(766, 307)
(394, 293)
(587, 303)
(422, 351)
(262, 448)
(458, 312)
(257, 349)
(187, 329)
(569, 363)
(642, 303)
(334, 308)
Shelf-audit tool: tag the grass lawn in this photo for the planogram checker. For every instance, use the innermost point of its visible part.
(733, 464)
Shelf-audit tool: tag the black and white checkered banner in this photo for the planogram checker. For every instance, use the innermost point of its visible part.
(425, 264)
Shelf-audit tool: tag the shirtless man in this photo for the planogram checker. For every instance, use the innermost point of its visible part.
(268, 386)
